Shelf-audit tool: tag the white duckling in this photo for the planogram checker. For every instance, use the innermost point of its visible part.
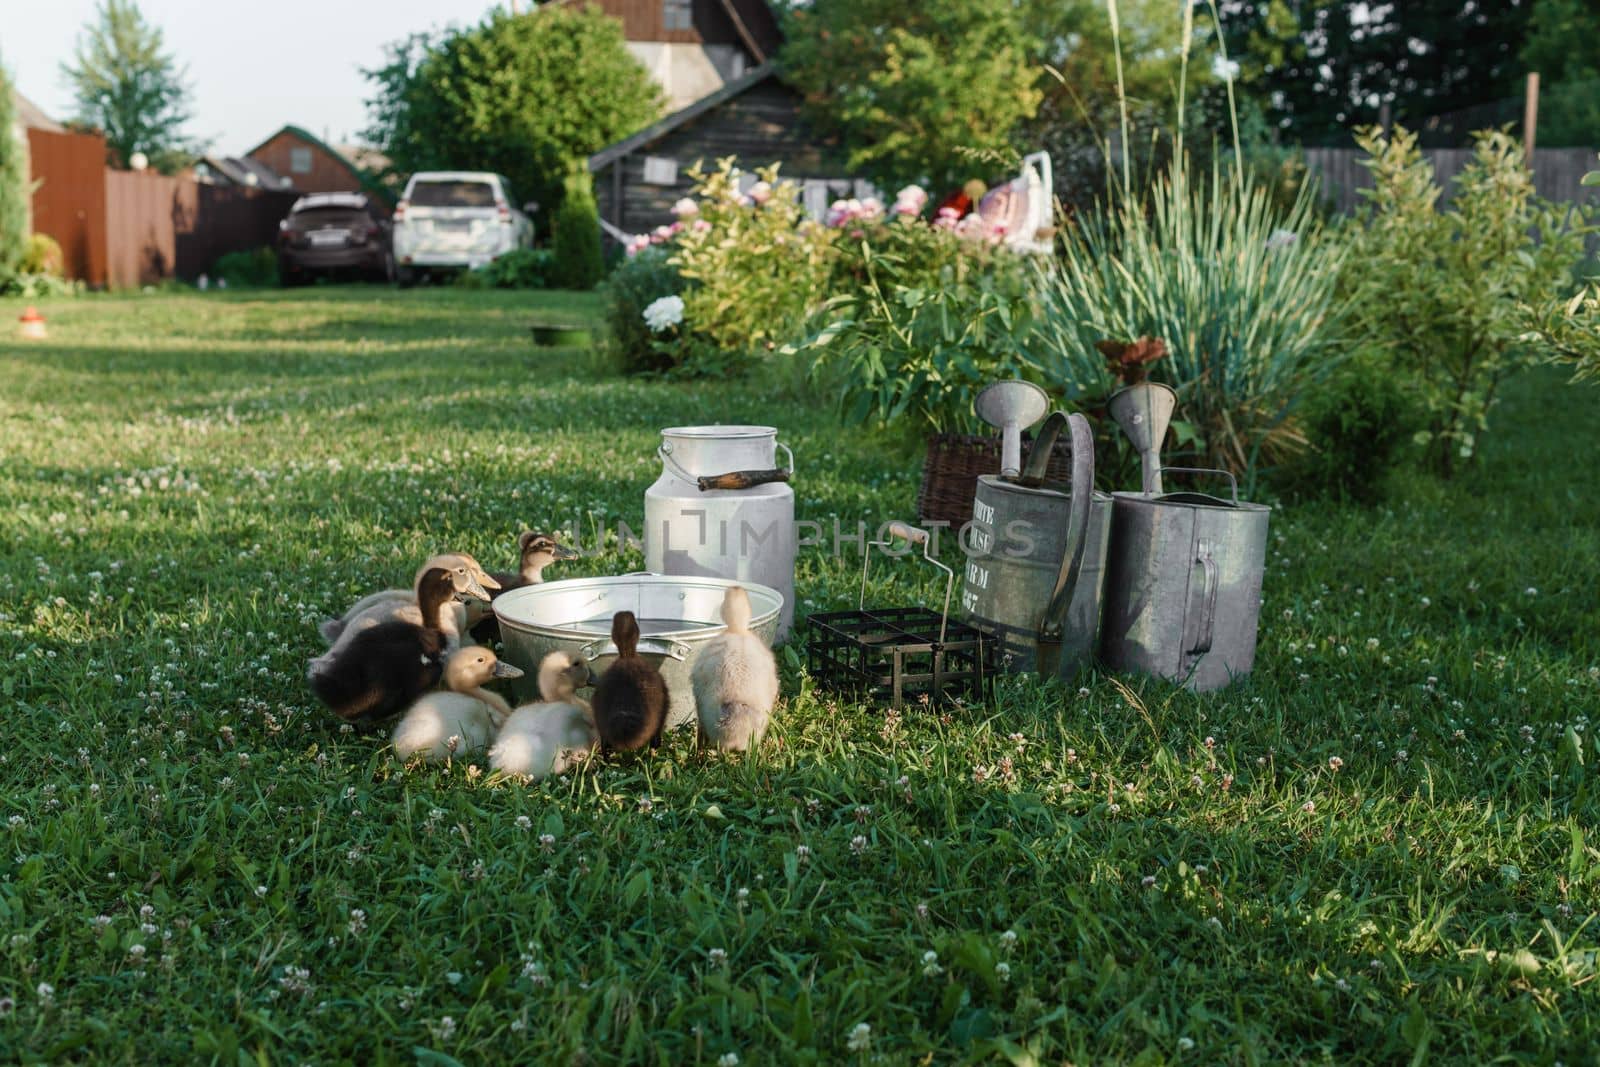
(463, 718)
(463, 568)
(548, 737)
(735, 681)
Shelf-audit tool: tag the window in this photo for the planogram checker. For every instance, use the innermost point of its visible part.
(658, 170)
(300, 161)
(677, 15)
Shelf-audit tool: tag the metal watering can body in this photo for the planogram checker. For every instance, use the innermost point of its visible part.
(1184, 579)
(1036, 556)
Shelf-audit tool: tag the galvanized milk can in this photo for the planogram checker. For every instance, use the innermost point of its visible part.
(1184, 573)
(722, 509)
(1035, 554)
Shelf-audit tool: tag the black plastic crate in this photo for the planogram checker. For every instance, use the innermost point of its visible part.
(894, 656)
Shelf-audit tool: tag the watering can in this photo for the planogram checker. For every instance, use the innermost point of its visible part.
(1184, 570)
(1035, 550)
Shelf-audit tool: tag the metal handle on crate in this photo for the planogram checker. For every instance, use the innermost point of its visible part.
(1232, 481)
(915, 535)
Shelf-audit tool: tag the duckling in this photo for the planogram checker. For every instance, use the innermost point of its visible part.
(735, 680)
(398, 604)
(547, 737)
(386, 667)
(467, 713)
(537, 552)
(465, 569)
(630, 699)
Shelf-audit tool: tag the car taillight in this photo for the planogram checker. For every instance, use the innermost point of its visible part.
(400, 211)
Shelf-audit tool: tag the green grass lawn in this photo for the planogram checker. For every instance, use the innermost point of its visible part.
(1384, 847)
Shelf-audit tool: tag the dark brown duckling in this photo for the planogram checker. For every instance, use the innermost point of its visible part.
(630, 699)
(385, 668)
(537, 552)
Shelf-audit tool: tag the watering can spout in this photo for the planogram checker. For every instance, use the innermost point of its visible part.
(1144, 411)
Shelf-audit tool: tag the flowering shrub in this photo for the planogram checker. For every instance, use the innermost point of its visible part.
(639, 283)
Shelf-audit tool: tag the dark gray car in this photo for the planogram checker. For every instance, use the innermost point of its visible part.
(334, 234)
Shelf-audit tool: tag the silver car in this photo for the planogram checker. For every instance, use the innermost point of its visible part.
(453, 220)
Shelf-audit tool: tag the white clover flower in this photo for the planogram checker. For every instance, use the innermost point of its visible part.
(524, 823)
(930, 964)
(717, 957)
(860, 1038)
(664, 313)
(728, 1059)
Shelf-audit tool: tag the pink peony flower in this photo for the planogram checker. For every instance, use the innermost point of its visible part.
(700, 225)
(761, 192)
(685, 208)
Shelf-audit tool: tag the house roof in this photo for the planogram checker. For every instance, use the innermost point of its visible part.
(650, 134)
(243, 170)
(31, 117)
(367, 179)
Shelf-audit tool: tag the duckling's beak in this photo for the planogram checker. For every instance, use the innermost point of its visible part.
(486, 580)
(502, 669)
(563, 552)
(474, 587)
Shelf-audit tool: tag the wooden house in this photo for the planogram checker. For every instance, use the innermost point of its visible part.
(754, 118)
(307, 164)
(695, 47)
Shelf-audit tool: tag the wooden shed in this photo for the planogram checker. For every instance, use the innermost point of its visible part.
(755, 118)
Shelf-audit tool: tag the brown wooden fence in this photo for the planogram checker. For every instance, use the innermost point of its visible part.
(124, 229)
(69, 202)
(161, 227)
(1557, 172)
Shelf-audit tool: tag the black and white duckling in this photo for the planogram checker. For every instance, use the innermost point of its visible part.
(548, 737)
(537, 551)
(467, 572)
(465, 717)
(400, 605)
(630, 699)
(386, 667)
(735, 681)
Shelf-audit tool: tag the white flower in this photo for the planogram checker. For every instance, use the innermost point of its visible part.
(717, 957)
(685, 208)
(930, 964)
(860, 1038)
(664, 313)
(1002, 971)
(728, 1059)
(761, 192)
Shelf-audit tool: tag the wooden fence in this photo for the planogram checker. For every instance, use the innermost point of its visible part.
(175, 227)
(125, 229)
(1557, 172)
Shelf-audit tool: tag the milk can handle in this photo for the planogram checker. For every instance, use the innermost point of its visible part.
(1232, 481)
(1079, 502)
(730, 479)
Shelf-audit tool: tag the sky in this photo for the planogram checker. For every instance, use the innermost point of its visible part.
(253, 65)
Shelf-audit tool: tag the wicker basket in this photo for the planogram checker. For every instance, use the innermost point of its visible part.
(950, 473)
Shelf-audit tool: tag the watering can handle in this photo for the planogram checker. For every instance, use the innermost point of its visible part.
(1079, 502)
(1232, 481)
(1208, 601)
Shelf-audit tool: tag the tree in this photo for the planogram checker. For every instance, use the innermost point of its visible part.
(579, 261)
(14, 187)
(1322, 68)
(1563, 45)
(916, 91)
(527, 95)
(129, 88)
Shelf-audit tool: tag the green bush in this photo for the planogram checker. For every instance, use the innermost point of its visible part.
(924, 319)
(253, 269)
(1358, 424)
(521, 268)
(42, 255)
(638, 282)
(1243, 293)
(578, 259)
(1443, 291)
(15, 188)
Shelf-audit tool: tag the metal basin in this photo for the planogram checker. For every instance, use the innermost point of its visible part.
(677, 616)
